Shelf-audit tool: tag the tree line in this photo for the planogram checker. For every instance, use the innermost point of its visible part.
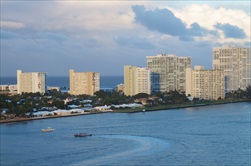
(21, 104)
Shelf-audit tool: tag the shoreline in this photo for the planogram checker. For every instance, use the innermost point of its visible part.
(147, 109)
(14, 120)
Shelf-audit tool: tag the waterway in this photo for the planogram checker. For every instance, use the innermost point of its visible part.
(201, 136)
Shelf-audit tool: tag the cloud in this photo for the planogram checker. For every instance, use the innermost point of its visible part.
(208, 16)
(164, 21)
(50, 36)
(161, 20)
(231, 31)
(11, 25)
(134, 42)
(8, 35)
(103, 36)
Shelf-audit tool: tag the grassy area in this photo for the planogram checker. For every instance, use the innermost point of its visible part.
(177, 106)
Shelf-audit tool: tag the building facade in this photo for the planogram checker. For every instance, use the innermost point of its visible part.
(84, 82)
(120, 88)
(12, 89)
(205, 84)
(168, 72)
(31, 82)
(136, 80)
(235, 62)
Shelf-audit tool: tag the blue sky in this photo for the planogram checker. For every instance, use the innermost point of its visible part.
(103, 36)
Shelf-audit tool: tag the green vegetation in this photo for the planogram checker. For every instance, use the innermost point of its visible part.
(27, 103)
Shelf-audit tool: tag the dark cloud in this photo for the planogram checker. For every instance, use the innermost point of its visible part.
(231, 31)
(164, 21)
(196, 30)
(161, 20)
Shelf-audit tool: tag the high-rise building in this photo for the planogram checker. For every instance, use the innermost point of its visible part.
(168, 72)
(84, 82)
(205, 84)
(235, 62)
(31, 82)
(136, 80)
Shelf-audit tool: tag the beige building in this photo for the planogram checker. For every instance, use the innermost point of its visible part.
(84, 82)
(235, 62)
(120, 88)
(12, 89)
(168, 72)
(51, 88)
(205, 84)
(136, 80)
(31, 82)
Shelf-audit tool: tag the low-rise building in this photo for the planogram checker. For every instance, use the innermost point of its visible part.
(120, 88)
(12, 89)
(51, 88)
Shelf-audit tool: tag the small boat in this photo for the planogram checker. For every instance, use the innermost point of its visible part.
(48, 129)
(82, 135)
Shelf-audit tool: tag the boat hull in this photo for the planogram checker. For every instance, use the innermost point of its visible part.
(82, 135)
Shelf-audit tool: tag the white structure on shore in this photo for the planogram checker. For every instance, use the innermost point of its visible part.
(12, 89)
(168, 72)
(235, 61)
(205, 84)
(84, 82)
(31, 82)
(136, 80)
(56, 88)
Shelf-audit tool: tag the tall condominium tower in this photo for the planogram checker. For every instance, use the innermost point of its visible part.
(84, 82)
(136, 80)
(205, 84)
(235, 62)
(31, 82)
(168, 72)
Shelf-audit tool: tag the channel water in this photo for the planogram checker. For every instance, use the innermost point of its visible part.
(202, 136)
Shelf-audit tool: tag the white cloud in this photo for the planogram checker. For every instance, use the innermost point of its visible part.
(87, 15)
(207, 17)
(11, 24)
(87, 35)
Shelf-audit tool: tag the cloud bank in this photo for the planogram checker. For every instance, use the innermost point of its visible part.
(166, 22)
(54, 36)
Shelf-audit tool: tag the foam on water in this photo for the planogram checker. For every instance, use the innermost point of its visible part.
(144, 146)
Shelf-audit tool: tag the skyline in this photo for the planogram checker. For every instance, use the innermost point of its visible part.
(106, 35)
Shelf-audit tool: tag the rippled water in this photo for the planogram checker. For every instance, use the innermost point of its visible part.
(211, 135)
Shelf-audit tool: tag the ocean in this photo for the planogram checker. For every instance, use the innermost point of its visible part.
(216, 135)
(105, 81)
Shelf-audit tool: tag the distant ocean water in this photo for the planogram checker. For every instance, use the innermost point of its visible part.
(105, 81)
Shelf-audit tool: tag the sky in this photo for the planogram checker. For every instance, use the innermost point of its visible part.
(102, 36)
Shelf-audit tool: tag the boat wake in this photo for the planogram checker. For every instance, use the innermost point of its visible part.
(144, 146)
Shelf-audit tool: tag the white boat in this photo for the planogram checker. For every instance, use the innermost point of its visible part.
(49, 129)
